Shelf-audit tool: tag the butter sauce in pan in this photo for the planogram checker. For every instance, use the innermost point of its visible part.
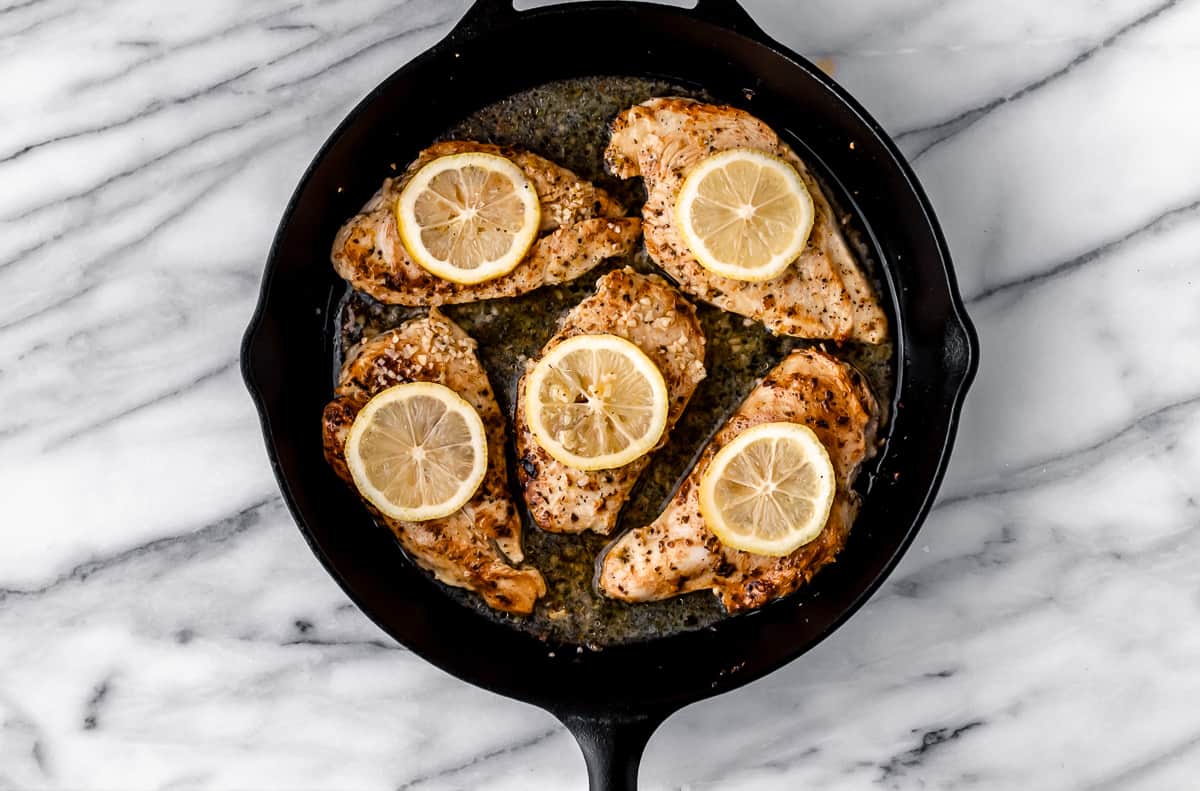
(567, 122)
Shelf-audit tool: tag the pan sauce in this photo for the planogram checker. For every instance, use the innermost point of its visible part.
(567, 123)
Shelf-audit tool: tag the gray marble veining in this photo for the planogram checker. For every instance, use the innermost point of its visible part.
(163, 626)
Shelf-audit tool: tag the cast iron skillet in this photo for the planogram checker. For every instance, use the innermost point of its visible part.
(611, 700)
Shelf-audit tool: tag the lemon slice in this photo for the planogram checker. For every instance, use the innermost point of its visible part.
(596, 402)
(744, 214)
(468, 218)
(417, 451)
(768, 491)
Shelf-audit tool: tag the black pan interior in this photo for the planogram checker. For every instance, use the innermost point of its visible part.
(498, 53)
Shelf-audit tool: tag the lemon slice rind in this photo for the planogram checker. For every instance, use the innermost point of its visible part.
(733, 481)
(707, 198)
(653, 411)
(402, 397)
(414, 229)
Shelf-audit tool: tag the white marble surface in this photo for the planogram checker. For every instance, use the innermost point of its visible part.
(162, 625)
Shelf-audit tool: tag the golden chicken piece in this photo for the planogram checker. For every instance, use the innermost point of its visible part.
(823, 294)
(656, 318)
(678, 554)
(581, 227)
(475, 547)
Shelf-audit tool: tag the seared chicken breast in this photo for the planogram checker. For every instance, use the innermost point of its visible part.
(478, 546)
(677, 554)
(823, 294)
(581, 227)
(652, 315)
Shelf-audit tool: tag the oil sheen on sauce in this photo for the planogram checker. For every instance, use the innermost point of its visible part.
(567, 122)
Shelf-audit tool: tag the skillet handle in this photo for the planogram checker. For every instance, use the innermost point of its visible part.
(483, 15)
(730, 14)
(612, 745)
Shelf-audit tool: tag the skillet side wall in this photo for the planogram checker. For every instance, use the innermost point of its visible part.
(288, 347)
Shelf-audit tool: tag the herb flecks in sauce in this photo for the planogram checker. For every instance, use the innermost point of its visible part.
(567, 122)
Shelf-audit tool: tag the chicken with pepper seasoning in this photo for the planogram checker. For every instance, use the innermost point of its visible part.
(580, 227)
(657, 319)
(478, 546)
(823, 294)
(677, 553)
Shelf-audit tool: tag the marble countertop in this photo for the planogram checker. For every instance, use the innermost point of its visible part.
(164, 626)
